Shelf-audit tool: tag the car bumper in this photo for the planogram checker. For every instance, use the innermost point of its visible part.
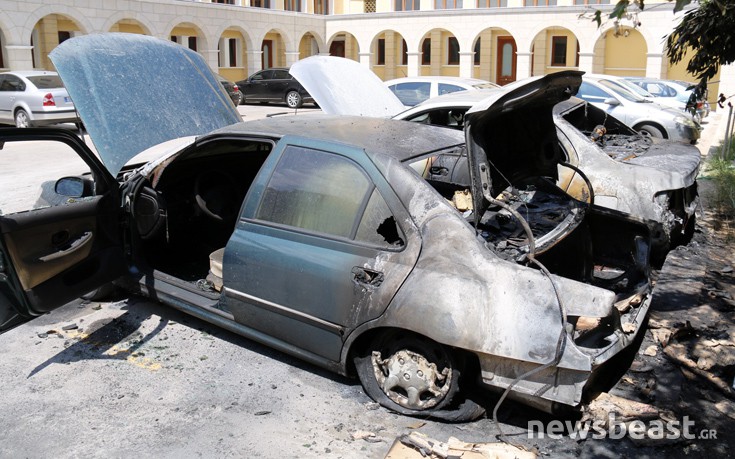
(563, 383)
(59, 116)
(687, 133)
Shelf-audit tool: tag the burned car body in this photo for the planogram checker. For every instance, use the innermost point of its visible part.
(643, 176)
(335, 250)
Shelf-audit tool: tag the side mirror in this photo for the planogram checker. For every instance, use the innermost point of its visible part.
(611, 101)
(73, 187)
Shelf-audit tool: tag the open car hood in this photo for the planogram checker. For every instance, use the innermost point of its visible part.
(344, 87)
(135, 91)
(511, 136)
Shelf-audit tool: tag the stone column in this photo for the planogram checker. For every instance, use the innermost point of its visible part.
(414, 64)
(211, 56)
(523, 65)
(365, 59)
(255, 61)
(655, 65)
(292, 57)
(20, 57)
(585, 62)
(466, 63)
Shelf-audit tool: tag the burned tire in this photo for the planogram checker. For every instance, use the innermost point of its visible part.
(409, 374)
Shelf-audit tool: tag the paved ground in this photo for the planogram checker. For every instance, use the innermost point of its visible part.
(133, 378)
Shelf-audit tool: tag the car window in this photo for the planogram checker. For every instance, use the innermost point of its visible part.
(378, 226)
(12, 83)
(621, 90)
(411, 93)
(445, 88)
(46, 81)
(25, 186)
(591, 93)
(316, 191)
(264, 75)
(281, 75)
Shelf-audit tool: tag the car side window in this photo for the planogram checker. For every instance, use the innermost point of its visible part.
(12, 83)
(25, 186)
(281, 75)
(259, 76)
(591, 93)
(378, 226)
(316, 191)
(445, 88)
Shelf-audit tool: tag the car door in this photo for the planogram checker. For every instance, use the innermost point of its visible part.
(257, 85)
(278, 85)
(8, 93)
(321, 247)
(53, 247)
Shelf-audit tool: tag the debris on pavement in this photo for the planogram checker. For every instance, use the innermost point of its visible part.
(416, 445)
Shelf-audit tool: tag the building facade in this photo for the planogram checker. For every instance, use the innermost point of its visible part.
(495, 40)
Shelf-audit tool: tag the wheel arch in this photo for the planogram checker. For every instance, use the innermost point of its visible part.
(655, 124)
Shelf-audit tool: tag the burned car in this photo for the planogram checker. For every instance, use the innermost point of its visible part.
(317, 236)
(605, 161)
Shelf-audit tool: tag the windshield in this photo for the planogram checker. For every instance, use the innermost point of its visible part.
(632, 87)
(621, 90)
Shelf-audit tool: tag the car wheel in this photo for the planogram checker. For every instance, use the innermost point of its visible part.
(651, 131)
(408, 373)
(22, 120)
(293, 99)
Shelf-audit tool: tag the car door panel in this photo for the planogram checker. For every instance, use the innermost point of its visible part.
(53, 254)
(306, 288)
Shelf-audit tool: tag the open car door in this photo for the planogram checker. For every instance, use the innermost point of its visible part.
(59, 239)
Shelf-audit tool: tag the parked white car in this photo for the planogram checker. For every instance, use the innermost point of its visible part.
(34, 98)
(674, 93)
(412, 91)
(641, 114)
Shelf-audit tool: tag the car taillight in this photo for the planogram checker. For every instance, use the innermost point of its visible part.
(235, 88)
(48, 100)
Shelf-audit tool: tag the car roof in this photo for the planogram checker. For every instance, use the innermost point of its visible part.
(27, 73)
(399, 139)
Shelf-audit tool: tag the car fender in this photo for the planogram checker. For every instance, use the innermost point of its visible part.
(462, 295)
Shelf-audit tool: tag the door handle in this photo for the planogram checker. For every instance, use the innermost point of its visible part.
(367, 276)
(438, 170)
(72, 247)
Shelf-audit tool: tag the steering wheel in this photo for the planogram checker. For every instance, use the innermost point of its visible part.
(216, 194)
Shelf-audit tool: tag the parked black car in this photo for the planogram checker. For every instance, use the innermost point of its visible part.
(274, 85)
(232, 90)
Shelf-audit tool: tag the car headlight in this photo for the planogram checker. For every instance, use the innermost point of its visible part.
(685, 121)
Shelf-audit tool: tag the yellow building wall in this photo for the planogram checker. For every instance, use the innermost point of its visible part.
(382, 6)
(279, 49)
(47, 32)
(184, 31)
(625, 56)
(128, 28)
(678, 71)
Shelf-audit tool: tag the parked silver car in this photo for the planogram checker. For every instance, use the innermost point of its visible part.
(329, 245)
(637, 112)
(675, 93)
(34, 98)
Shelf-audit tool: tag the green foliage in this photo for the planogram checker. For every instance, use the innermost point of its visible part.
(706, 31)
(722, 172)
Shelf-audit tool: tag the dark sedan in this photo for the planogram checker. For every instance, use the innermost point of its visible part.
(232, 90)
(274, 85)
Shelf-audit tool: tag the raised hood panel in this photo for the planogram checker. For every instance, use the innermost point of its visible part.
(135, 91)
(344, 87)
(513, 134)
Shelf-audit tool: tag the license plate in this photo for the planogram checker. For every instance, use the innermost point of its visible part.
(67, 100)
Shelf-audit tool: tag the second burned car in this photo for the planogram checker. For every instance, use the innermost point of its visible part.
(333, 248)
